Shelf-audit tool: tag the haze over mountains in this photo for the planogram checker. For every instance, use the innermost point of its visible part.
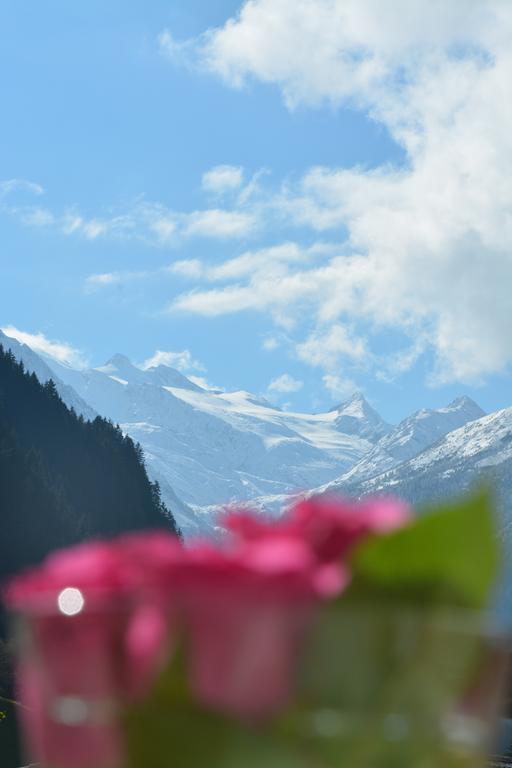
(209, 448)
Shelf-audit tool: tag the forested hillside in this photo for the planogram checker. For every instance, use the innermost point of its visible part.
(63, 479)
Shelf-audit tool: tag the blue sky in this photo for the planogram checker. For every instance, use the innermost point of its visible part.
(269, 190)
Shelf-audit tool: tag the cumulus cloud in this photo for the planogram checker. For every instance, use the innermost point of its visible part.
(285, 384)
(58, 350)
(223, 178)
(358, 44)
(429, 247)
(182, 361)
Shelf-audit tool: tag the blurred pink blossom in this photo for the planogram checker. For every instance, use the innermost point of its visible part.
(330, 525)
(107, 645)
(245, 614)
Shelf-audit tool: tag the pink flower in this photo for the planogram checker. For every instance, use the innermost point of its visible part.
(67, 683)
(245, 615)
(97, 634)
(153, 558)
(330, 525)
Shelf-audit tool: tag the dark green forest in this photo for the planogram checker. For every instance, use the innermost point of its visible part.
(62, 480)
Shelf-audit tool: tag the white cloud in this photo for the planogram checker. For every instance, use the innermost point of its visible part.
(429, 248)
(36, 217)
(338, 386)
(172, 48)
(326, 348)
(115, 226)
(191, 268)
(271, 284)
(150, 222)
(104, 278)
(58, 350)
(282, 280)
(285, 384)
(263, 260)
(183, 361)
(358, 45)
(218, 223)
(213, 303)
(223, 178)
(270, 344)
(20, 185)
(96, 282)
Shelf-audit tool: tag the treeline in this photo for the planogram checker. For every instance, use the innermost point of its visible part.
(64, 479)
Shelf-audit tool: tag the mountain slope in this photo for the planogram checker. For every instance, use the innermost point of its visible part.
(215, 447)
(480, 448)
(63, 479)
(409, 438)
(35, 364)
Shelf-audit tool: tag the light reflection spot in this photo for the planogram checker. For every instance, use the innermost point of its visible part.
(70, 710)
(70, 601)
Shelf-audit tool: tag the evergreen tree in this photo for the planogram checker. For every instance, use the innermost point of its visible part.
(62, 480)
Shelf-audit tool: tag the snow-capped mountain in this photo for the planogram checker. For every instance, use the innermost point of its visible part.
(357, 417)
(209, 448)
(478, 450)
(40, 365)
(452, 465)
(216, 447)
(411, 436)
(34, 363)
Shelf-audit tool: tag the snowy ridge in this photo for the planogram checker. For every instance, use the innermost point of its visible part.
(214, 448)
(480, 449)
(409, 438)
(453, 463)
(208, 449)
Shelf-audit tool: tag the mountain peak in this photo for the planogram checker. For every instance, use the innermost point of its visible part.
(356, 416)
(464, 402)
(120, 361)
(357, 400)
(354, 400)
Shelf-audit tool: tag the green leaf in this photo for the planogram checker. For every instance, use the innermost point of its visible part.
(450, 555)
(384, 662)
(406, 636)
(172, 730)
